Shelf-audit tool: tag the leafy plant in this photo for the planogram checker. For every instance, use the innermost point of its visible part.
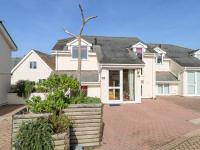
(84, 100)
(60, 123)
(24, 88)
(58, 83)
(54, 103)
(35, 135)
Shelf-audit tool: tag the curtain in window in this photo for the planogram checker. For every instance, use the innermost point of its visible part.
(131, 84)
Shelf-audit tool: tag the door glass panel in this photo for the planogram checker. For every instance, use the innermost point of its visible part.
(114, 94)
(114, 78)
(191, 83)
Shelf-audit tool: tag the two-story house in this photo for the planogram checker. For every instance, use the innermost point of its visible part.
(7, 45)
(126, 69)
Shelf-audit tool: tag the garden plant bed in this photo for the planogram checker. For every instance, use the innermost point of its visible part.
(86, 124)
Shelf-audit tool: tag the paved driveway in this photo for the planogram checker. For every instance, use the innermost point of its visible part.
(149, 125)
(5, 124)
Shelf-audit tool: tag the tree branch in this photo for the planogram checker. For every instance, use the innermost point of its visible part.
(82, 14)
(69, 33)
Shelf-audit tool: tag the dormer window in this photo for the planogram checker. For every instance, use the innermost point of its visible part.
(159, 58)
(139, 49)
(84, 52)
(139, 53)
(159, 55)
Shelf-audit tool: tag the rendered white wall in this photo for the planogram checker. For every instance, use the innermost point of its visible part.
(23, 72)
(5, 58)
(148, 77)
(65, 62)
(94, 91)
(164, 66)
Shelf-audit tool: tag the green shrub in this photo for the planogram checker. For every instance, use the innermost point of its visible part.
(35, 135)
(24, 88)
(54, 103)
(58, 83)
(60, 123)
(84, 100)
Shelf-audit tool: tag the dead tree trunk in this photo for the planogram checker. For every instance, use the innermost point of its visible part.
(84, 21)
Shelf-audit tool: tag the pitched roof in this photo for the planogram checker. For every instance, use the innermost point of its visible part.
(165, 76)
(86, 76)
(180, 55)
(111, 50)
(8, 35)
(48, 59)
(15, 61)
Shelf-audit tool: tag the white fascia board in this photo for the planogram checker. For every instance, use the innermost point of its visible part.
(159, 50)
(139, 43)
(130, 66)
(191, 68)
(90, 83)
(12, 44)
(22, 60)
(25, 57)
(169, 82)
(82, 40)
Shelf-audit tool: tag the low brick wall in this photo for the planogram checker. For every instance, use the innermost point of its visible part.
(86, 123)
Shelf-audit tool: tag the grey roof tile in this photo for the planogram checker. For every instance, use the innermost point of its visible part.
(165, 76)
(86, 76)
(112, 50)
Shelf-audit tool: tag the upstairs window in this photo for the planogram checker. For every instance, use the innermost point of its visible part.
(139, 53)
(84, 52)
(159, 58)
(33, 65)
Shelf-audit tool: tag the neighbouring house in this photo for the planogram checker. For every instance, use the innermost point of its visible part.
(126, 69)
(7, 45)
(34, 66)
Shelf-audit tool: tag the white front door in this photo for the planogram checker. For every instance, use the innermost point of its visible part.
(115, 86)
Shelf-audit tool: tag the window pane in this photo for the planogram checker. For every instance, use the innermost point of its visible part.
(114, 79)
(114, 94)
(74, 52)
(166, 89)
(159, 59)
(34, 65)
(160, 89)
(30, 65)
(139, 52)
(84, 52)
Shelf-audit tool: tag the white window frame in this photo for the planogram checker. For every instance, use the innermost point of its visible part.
(77, 57)
(31, 64)
(195, 84)
(162, 58)
(120, 87)
(163, 85)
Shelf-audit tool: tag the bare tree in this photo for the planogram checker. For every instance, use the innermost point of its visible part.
(84, 21)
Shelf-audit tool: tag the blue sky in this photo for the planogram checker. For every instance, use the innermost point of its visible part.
(38, 23)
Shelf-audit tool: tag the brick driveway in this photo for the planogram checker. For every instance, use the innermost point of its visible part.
(5, 124)
(149, 125)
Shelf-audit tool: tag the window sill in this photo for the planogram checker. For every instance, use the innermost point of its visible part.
(77, 60)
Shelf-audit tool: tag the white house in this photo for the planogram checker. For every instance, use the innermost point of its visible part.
(7, 45)
(34, 66)
(126, 70)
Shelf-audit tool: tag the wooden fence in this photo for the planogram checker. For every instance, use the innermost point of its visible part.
(86, 120)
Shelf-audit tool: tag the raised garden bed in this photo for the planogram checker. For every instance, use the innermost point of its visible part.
(86, 129)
